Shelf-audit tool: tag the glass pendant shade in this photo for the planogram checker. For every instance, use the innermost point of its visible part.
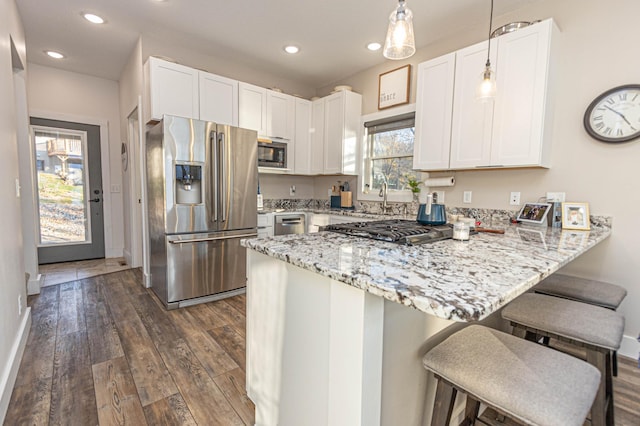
(486, 90)
(400, 43)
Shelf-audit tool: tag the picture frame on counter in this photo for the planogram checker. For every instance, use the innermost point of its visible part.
(393, 87)
(534, 213)
(576, 216)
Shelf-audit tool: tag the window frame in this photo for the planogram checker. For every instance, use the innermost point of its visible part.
(394, 195)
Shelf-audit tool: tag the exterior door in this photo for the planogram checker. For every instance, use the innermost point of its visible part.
(69, 193)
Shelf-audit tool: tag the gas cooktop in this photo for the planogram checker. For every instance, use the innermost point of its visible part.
(408, 232)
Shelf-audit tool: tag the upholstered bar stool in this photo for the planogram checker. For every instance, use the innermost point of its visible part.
(597, 330)
(525, 381)
(584, 290)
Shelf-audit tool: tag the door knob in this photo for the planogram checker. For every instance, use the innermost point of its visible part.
(95, 200)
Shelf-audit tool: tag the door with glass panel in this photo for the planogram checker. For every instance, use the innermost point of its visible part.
(69, 193)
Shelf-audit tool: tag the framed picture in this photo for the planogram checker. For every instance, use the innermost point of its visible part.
(575, 216)
(535, 213)
(393, 87)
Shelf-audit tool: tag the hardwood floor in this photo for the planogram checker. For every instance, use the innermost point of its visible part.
(102, 350)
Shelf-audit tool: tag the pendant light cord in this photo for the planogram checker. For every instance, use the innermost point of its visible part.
(489, 36)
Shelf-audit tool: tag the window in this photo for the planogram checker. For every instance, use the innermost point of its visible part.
(388, 153)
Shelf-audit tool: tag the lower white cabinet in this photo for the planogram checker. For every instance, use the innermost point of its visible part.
(265, 225)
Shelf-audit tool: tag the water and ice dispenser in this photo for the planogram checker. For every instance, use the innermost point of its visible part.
(188, 184)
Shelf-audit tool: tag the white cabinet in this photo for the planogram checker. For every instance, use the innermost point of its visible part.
(471, 120)
(317, 137)
(280, 115)
(316, 220)
(252, 102)
(434, 104)
(302, 137)
(342, 112)
(176, 89)
(454, 131)
(265, 225)
(170, 89)
(522, 118)
(218, 99)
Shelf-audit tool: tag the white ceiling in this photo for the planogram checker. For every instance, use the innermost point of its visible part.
(332, 34)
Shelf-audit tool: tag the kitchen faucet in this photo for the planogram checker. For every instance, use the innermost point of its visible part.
(383, 193)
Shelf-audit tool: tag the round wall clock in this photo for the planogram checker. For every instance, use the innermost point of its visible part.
(614, 116)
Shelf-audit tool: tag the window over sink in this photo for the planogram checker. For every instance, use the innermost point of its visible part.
(388, 155)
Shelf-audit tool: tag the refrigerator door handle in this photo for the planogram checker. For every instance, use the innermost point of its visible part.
(214, 176)
(224, 184)
(201, 240)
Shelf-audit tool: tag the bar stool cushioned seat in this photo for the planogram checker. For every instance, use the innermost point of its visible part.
(525, 381)
(584, 290)
(574, 320)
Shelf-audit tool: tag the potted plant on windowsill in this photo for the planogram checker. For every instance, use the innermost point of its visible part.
(414, 185)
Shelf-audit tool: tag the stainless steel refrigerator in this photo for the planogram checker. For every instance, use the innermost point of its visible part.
(202, 182)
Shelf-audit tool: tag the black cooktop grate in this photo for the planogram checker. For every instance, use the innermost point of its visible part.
(394, 230)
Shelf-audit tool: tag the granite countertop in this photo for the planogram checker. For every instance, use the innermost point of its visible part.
(456, 280)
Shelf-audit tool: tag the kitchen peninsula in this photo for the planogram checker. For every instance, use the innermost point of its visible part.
(331, 334)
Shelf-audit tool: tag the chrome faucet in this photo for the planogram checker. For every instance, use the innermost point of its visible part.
(383, 193)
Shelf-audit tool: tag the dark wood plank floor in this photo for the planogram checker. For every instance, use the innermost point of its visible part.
(102, 350)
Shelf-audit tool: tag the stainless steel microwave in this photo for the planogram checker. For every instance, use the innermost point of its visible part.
(272, 154)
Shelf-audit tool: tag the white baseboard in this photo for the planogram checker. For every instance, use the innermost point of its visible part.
(630, 347)
(34, 284)
(113, 252)
(8, 378)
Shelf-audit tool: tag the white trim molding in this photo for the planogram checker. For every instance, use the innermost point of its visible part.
(10, 372)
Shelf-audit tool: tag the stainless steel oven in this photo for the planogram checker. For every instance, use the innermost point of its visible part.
(272, 154)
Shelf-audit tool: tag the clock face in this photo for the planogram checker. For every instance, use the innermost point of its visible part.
(614, 116)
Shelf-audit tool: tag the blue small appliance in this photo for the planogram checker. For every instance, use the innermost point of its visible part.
(432, 213)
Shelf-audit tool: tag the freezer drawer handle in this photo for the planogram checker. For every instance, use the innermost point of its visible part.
(202, 240)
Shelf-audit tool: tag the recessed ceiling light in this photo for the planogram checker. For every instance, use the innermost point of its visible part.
(94, 19)
(374, 46)
(291, 49)
(54, 54)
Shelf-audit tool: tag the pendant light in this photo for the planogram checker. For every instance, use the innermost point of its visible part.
(486, 90)
(400, 43)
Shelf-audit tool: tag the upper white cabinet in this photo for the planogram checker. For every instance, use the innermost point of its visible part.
(218, 99)
(280, 115)
(454, 131)
(252, 101)
(434, 103)
(302, 137)
(176, 89)
(317, 137)
(471, 120)
(342, 112)
(522, 122)
(171, 89)
(270, 113)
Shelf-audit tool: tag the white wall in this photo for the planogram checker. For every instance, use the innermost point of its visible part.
(65, 95)
(597, 46)
(14, 316)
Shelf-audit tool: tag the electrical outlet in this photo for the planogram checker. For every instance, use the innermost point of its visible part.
(466, 198)
(292, 190)
(514, 199)
(115, 188)
(440, 195)
(555, 197)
